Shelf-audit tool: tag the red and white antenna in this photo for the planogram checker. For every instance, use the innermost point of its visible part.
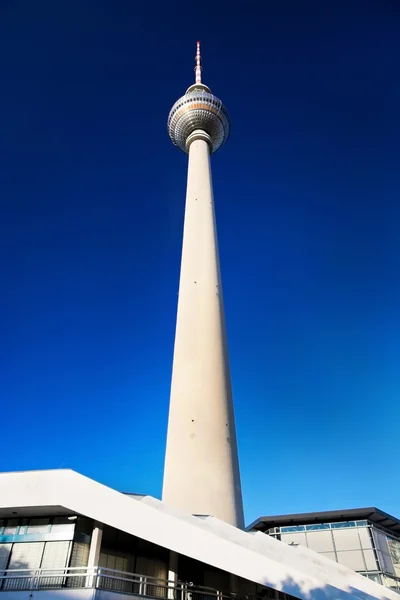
(198, 64)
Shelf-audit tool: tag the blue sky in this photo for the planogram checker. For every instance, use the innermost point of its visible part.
(307, 199)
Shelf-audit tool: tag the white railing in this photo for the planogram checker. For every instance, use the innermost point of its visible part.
(107, 579)
(34, 579)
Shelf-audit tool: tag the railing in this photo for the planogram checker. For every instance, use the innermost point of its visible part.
(26, 579)
(108, 579)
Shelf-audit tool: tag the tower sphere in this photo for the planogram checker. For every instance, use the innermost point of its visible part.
(198, 110)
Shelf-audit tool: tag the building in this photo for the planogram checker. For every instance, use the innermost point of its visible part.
(366, 540)
(201, 424)
(66, 537)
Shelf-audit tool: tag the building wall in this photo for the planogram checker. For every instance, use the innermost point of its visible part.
(260, 559)
(355, 544)
(29, 544)
(394, 549)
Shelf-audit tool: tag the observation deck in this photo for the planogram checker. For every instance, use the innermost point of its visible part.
(198, 110)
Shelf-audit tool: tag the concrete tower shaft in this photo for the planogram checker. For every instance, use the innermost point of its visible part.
(201, 472)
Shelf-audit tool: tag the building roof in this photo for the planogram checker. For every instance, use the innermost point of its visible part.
(253, 556)
(372, 514)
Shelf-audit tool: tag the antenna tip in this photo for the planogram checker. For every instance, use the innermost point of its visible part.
(198, 65)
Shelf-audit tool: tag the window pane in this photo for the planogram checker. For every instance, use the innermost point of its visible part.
(394, 549)
(38, 526)
(375, 577)
(382, 550)
(5, 550)
(11, 527)
(390, 582)
(26, 555)
(317, 527)
(62, 525)
(55, 555)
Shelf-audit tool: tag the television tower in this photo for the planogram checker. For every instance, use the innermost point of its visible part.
(201, 473)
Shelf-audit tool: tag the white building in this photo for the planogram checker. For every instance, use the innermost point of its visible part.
(367, 540)
(66, 536)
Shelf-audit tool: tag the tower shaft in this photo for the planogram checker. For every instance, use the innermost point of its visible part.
(201, 473)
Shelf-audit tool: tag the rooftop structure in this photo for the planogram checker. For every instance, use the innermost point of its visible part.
(366, 540)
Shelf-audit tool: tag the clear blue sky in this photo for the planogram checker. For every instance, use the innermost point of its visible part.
(307, 199)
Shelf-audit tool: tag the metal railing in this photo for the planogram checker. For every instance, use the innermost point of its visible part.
(35, 579)
(108, 579)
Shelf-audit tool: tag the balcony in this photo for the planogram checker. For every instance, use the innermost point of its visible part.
(98, 583)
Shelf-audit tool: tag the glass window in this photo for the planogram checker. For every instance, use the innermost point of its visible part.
(11, 527)
(362, 523)
(343, 524)
(390, 582)
(375, 577)
(5, 550)
(62, 525)
(316, 527)
(23, 526)
(38, 526)
(292, 528)
(55, 556)
(394, 549)
(382, 550)
(26, 555)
